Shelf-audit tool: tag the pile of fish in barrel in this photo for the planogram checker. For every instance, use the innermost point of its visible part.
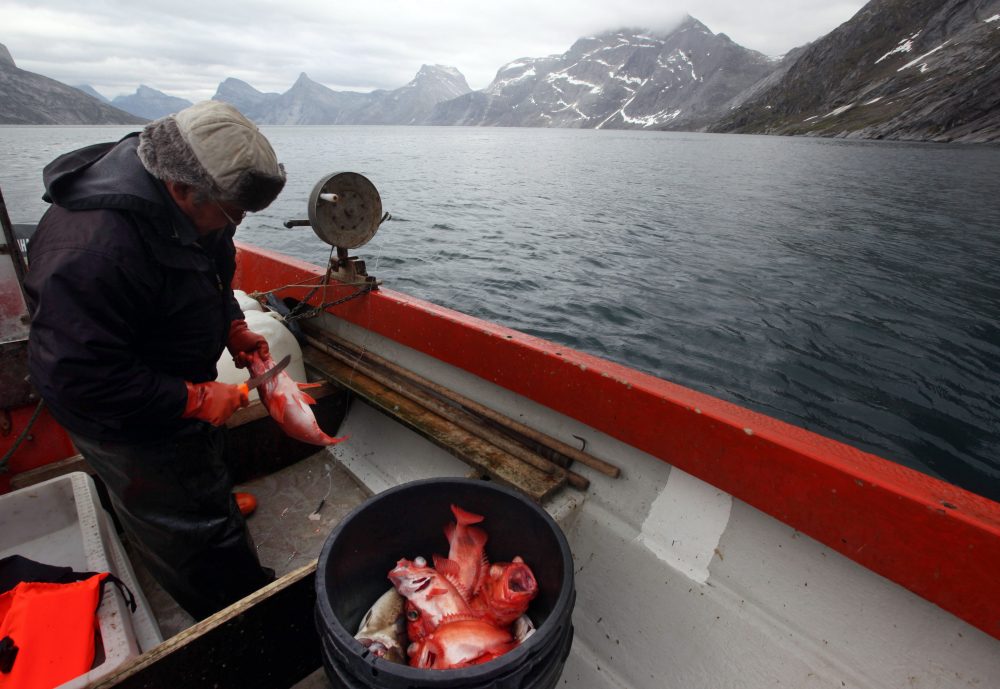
(462, 611)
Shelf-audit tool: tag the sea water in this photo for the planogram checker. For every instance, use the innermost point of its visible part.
(848, 287)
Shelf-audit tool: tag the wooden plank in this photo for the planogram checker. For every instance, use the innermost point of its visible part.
(462, 444)
(264, 641)
(47, 471)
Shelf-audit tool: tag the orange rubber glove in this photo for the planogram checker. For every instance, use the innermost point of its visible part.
(242, 342)
(213, 402)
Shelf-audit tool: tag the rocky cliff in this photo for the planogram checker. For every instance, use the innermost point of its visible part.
(899, 69)
(623, 79)
(29, 98)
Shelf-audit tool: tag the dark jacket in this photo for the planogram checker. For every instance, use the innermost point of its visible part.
(126, 300)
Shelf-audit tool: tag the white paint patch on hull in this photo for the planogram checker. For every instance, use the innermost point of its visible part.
(685, 524)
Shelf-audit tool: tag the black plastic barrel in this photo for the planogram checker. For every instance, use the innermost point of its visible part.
(408, 521)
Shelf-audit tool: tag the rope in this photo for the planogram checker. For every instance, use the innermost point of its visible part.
(302, 310)
(20, 438)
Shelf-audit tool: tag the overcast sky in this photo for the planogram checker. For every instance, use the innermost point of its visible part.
(186, 48)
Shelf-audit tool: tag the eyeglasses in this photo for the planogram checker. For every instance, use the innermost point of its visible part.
(242, 213)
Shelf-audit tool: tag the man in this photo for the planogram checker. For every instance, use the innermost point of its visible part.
(129, 290)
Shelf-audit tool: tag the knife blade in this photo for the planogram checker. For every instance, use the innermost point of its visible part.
(267, 375)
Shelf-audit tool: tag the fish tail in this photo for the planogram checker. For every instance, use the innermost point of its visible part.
(465, 517)
(330, 440)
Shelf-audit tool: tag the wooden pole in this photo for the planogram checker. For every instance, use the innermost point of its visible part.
(457, 416)
(459, 399)
(485, 457)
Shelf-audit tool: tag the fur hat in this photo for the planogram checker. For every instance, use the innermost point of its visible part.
(215, 149)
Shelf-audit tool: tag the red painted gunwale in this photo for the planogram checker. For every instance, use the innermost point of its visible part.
(47, 442)
(935, 539)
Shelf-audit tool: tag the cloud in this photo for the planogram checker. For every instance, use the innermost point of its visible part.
(186, 48)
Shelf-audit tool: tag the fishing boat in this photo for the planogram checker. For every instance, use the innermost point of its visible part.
(713, 546)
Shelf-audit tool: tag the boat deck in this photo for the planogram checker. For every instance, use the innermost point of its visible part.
(286, 527)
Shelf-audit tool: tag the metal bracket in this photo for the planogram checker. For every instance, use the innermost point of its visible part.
(350, 270)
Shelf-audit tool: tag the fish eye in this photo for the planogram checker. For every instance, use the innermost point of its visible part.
(413, 615)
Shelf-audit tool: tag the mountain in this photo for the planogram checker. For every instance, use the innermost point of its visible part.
(5, 59)
(29, 98)
(899, 69)
(627, 79)
(150, 103)
(244, 97)
(309, 102)
(92, 92)
(413, 103)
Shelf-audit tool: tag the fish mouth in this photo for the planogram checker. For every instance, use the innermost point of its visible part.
(521, 581)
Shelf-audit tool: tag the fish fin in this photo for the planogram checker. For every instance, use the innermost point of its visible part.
(443, 564)
(309, 386)
(452, 572)
(482, 574)
(277, 412)
(436, 591)
(465, 517)
(306, 397)
(459, 617)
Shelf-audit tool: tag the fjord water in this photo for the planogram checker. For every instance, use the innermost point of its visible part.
(851, 288)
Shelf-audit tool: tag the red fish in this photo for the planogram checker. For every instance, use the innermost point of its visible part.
(418, 625)
(459, 644)
(288, 404)
(432, 598)
(506, 591)
(466, 563)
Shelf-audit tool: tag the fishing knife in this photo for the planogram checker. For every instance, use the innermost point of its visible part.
(267, 375)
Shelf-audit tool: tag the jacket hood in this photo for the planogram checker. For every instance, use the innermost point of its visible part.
(111, 176)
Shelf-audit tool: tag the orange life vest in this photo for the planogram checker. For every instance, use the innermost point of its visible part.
(47, 632)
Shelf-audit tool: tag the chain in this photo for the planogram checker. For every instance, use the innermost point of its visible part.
(316, 310)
